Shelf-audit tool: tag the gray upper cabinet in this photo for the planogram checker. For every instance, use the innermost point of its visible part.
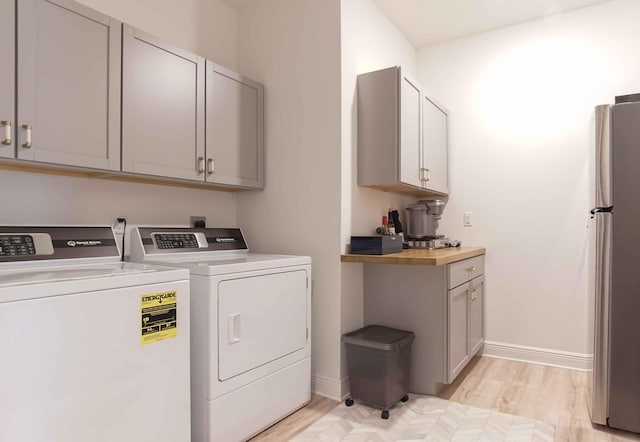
(7, 79)
(402, 135)
(162, 108)
(234, 128)
(81, 89)
(69, 84)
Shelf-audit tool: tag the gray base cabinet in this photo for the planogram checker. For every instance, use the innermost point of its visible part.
(443, 306)
(69, 85)
(402, 135)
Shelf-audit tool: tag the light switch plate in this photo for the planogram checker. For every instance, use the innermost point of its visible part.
(468, 219)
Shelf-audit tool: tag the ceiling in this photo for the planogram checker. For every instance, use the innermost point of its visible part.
(427, 22)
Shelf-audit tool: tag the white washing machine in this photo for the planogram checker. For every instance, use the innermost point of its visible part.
(92, 349)
(250, 328)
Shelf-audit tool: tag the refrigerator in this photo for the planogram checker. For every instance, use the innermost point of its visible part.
(615, 396)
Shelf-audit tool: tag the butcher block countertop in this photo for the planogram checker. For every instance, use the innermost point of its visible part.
(418, 257)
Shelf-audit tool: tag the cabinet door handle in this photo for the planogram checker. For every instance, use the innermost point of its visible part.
(7, 132)
(200, 166)
(471, 269)
(426, 175)
(27, 136)
(211, 166)
(423, 174)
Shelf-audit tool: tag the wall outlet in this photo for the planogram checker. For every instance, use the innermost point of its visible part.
(118, 227)
(468, 219)
(197, 219)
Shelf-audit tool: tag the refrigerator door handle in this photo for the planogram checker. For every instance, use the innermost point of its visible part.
(601, 210)
(603, 156)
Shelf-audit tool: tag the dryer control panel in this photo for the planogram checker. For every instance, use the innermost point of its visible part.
(147, 241)
(177, 240)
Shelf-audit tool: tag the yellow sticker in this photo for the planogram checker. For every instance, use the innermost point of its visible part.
(158, 316)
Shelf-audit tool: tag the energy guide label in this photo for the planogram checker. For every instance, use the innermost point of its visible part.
(158, 316)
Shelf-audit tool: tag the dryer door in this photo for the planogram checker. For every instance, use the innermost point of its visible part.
(260, 319)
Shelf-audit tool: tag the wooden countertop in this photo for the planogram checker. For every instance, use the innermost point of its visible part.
(420, 257)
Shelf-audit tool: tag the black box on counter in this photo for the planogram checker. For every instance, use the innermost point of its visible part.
(376, 245)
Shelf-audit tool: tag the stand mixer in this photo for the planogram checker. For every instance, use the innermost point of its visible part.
(422, 222)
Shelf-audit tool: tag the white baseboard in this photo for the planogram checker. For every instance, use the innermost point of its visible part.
(534, 355)
(335, 389)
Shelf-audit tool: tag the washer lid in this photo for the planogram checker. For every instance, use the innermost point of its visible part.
(32, 282)
(65, 273)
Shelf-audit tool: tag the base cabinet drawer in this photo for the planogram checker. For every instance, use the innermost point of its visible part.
(465, 270)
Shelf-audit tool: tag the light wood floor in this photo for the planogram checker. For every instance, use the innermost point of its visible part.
(554, 395)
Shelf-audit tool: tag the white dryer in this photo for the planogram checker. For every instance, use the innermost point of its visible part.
(250, 328)
(92, 348)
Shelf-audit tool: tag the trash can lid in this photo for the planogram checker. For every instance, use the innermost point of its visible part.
(379, 337)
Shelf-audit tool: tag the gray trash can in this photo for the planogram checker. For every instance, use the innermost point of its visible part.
(378, 365)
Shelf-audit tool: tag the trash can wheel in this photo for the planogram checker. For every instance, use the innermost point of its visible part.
(348, 402)
(385, 414)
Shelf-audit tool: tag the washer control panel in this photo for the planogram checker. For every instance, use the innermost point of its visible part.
(16, 245)
(25, 244)
(178, 240)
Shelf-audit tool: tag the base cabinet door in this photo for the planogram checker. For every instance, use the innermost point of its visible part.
(69, 88)
(162, 108)
(476, 314)
(234, 127)
(458, 336)
(7, 79)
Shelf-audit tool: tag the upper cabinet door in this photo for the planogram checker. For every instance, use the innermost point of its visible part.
(162, 108)
(410, 152)
(435, 162)
(235, 128)
(7, 79)
(69, 88)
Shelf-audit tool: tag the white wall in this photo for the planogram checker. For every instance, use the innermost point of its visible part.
(369, 42)
(521, 100)
(207, 27)
(293, 48)
(33, 198)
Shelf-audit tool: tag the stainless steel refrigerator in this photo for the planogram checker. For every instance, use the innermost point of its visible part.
(615, 399)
